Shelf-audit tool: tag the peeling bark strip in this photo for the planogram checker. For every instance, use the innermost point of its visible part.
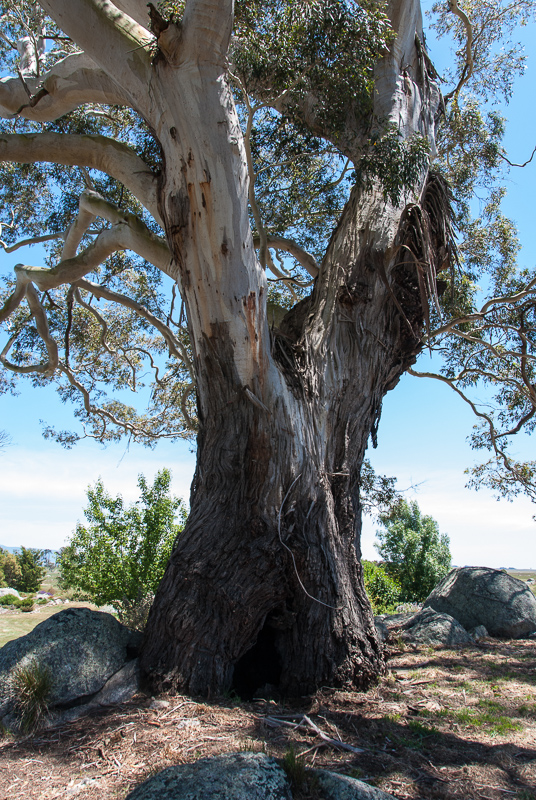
(265, 584)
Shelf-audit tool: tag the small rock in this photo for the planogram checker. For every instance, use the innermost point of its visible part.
(159, 705)
(395, 620)
(480, 632)
(342, 787)
(428, 627)
(234, 776)
(4, 592)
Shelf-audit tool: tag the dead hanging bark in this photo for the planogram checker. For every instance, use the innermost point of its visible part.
(426, 247)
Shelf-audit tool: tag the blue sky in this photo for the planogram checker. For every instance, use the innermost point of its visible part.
(422, 435)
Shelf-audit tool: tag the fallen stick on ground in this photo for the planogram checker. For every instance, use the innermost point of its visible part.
(275, 722)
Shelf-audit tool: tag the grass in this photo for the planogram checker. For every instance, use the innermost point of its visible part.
(419, 733)
(31, 686)
(488, 714)
(527, 710)
(294, 768)
(523, 575)
(16, 624)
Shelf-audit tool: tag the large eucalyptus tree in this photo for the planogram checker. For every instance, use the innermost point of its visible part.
(212, 143)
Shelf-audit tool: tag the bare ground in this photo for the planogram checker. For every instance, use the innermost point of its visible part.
(446, 724)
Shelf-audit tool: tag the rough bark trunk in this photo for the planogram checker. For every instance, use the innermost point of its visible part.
(265, 585)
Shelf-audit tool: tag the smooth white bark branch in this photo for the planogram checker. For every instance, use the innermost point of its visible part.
(15, 299)
(112, 39)
(76, 232)
(41, 323)
(25, 242)
(72, 82)
(137, 9)
(95, 152)
(125, 235)
(25, 289)
(207, 26)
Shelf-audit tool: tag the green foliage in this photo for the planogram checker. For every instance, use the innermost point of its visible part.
(377, 493)
(31, 570)
(497, 58)
(26, 604)
(417, 556)
(31, 685)
(497, 350)
(295, 769)
(323, 48)
(119, 557)
(10, 571)
(382, 589)
(9, 600)
(395, 162)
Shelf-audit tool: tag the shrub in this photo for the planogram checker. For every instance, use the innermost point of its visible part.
(26, 604)
(382, 589)
(31, 686)
(416, 555)
(120, 557)
(9, 600)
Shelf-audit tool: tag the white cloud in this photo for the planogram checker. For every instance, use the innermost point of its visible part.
(43, 493)
(482, 530)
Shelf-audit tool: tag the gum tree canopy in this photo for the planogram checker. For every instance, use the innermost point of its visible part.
(283, 166)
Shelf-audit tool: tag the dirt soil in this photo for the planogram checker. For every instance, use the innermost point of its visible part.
(442, 724)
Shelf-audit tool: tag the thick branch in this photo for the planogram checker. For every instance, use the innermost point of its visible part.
(111, 38)
(468, 68)
(207, 26)
(15, 299)
(305, 259)
(137, 9)
(96, 152)
(122, 236)
(72, 82)
(41, 323)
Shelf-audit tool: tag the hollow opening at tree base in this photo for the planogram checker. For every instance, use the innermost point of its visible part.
(258, 672)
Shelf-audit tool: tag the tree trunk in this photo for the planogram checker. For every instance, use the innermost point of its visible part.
(264, 585)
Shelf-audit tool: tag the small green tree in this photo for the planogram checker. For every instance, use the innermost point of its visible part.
(416, 555)
(120, 557)
(382, 589)
(32, 572)
(10, 572)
